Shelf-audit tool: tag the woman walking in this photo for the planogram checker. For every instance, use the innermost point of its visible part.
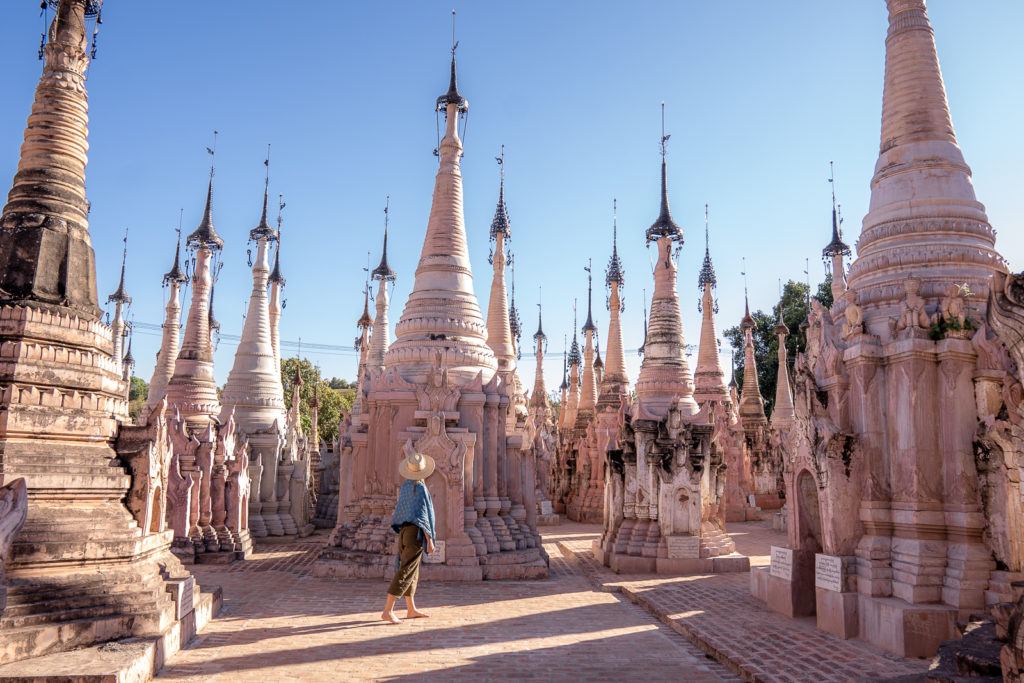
(413, 521)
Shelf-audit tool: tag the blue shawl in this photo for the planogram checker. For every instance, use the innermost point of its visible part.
(414, 507)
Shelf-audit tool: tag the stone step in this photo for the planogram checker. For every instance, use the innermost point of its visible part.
(67, 651)
(68, 468)
(141, 608)
(107, 480)
(29, 591)
(126, 661)
(25, 605)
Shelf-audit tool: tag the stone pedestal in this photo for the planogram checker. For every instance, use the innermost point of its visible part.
(835, 593)
(904, 629)
(787, 585)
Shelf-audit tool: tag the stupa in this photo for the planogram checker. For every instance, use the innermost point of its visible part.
(717, 400)
(545, 435)
(602, 430)
(253, 391)
(121, 300)
(170, 342)
(897, 518)
(765, 462)
(438, 390)
(91, 563)
(665, 483)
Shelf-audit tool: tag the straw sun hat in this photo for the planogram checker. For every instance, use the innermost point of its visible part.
(415, 465)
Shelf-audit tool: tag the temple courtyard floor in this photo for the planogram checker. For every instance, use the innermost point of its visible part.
(280, 623)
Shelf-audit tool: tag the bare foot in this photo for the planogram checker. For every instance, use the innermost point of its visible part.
(391, 618)
(416, 614)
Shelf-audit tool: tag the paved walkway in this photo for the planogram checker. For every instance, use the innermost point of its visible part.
(718, 613)
(282, 624)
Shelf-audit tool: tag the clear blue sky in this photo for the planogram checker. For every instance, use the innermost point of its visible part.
(760, 96)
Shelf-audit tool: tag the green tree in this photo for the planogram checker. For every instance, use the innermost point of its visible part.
(794, 309)
(137, 393)
(332, 401)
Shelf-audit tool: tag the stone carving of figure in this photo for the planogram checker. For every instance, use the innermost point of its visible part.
(814, 332)
(854, 323)
(913, 315)
(954, 310)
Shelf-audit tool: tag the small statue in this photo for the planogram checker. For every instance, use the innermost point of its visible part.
(913, 315)
(854, 323)
(815, 327)
(954, 307)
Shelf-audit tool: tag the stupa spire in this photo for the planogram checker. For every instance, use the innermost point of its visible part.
(383, 271)
(277, 283)
(205, 234)
(924, 219)
(563, 409)
(166, 357)
(46, 254)
(362, 345)
(783, 411)
(442, 314)
(709, 378)
(665, 377)
(836, 250)
(751, 402)
(383, 275)
(263, 229)
(276, 277)
(499, 330)
(128, 362)
(121, 300)
(664, 226)
(192, 390)
(515, 326)
(365, 322)
(575, 360)
(588, 381)
(253, 389)
(615, 279)
(539, 397)
(175, 274)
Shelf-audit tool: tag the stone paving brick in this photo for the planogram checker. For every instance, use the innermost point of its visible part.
(718, 613)
(282, 624)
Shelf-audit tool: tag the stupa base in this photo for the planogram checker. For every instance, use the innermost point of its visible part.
(507, 565)
(130, 659)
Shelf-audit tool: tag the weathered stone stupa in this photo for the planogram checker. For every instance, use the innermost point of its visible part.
(602, 430)
(666, 482)
(765, 463)
(192, 390)
(253, 391)
(717, 401)
(92, 561)
(438, 390)
(121, 300)
(170, 342)
(897, 477)
(545, 434)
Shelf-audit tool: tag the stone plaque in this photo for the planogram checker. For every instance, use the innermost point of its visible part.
(545, 507)
(436, 557)
(782, 563)
(828, 572)
(683, 547)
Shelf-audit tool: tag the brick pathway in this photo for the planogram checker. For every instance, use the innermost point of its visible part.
(282, 624)
(718, 613)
